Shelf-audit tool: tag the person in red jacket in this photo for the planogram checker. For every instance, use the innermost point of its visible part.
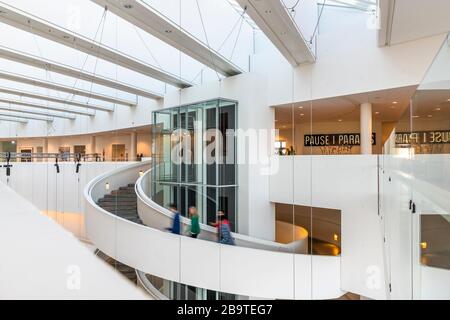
(223, 229)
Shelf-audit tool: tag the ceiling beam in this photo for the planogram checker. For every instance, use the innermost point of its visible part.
(153, 22)
(36, 112)
(37, 96)
(34, 61)
(58, 87)
(3, 118)
(386, 17)
(46, 107)
(30, 23)
(25, 116)
(277, 24)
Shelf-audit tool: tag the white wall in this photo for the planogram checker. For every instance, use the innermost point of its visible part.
(435, 284)
(60, 196)
(424, 180)
(210, 265)
(40, 260)
(350, 184)
(349, 61)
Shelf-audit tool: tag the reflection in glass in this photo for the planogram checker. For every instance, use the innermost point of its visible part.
(195, 158)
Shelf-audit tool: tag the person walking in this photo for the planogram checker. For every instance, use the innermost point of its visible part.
(176, 222)
(223, 229)
(194, 230)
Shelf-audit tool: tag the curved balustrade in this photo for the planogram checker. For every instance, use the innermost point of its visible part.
(156, 216)
(239, 270)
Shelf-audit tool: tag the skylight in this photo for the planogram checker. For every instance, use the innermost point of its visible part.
(236, 6)
(363, 5)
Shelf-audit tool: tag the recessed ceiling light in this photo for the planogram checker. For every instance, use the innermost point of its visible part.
(66, 37)
(128, 6)
(416, 116)
(268, 11)
(301, 107)
(168, 31)
(376, 112)
(302, 114)
(438, 109)
(340, 120)
(430, 116)
(392, 107)
(283, 33)
(394, 102)
(448, 99)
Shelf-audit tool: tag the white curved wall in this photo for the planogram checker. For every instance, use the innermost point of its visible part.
(40, 260)
(350, 184)
(207, 264)
(160, 218)
(214, 266)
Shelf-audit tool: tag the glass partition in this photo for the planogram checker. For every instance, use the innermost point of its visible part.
(186, 173)
(416, 188)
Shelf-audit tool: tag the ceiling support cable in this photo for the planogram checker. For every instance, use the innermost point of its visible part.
(207, 41)
(318, 22)
(96, 56)
(241, 16)
(100, 26)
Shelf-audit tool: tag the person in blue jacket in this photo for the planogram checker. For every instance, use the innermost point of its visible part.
(176, 222)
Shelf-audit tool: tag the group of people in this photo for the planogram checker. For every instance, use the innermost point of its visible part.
(222, 224)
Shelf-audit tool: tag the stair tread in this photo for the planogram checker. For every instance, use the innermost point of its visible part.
(122, 203)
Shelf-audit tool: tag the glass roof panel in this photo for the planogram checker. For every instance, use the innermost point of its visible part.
(223, 27)
(364, 5)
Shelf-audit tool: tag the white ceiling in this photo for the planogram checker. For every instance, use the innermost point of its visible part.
(415, 19)
(388, 105)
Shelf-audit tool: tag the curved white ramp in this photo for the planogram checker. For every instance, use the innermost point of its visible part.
(239, 270)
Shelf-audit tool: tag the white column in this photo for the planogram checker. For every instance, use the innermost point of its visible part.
(92, 144)
(366, 128)
(45, 146)
(133, 147)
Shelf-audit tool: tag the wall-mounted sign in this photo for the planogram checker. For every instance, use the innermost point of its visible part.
(335, 139)
(422, 137)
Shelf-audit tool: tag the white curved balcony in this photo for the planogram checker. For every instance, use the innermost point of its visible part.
(254, 267)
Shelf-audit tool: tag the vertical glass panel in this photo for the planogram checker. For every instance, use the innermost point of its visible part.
(226, 126)
(182, 138)
(430, 143)
(396, 207)
(228, 204)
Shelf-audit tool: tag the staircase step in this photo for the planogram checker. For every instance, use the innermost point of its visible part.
(122, 203)
(117, 199)
(127, 188)
(118, 206)
(123, 192)
(121, 195)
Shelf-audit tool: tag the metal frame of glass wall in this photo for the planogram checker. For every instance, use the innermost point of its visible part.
(209, 187)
